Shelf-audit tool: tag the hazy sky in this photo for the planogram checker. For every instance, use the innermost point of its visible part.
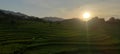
(63, 8)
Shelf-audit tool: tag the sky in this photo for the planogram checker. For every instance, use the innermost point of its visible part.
(64, 8)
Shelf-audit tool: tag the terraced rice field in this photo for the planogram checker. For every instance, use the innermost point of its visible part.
(56, 39)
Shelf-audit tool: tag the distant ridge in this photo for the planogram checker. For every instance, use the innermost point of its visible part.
(53, 19)
(12, 12)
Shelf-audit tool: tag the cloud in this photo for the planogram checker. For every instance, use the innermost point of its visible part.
(74, 8)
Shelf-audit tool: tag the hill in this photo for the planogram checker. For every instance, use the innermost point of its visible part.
(22, 34)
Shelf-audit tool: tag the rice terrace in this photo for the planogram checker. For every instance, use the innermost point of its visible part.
(87, 30)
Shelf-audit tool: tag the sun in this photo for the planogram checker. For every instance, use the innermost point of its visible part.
(86, 16)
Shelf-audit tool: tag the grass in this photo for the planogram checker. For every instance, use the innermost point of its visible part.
(46, 38)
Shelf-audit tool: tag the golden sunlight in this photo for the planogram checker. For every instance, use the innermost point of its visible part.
(86, 16)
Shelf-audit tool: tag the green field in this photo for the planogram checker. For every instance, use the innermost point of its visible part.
(59, 38)
(32, 35)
